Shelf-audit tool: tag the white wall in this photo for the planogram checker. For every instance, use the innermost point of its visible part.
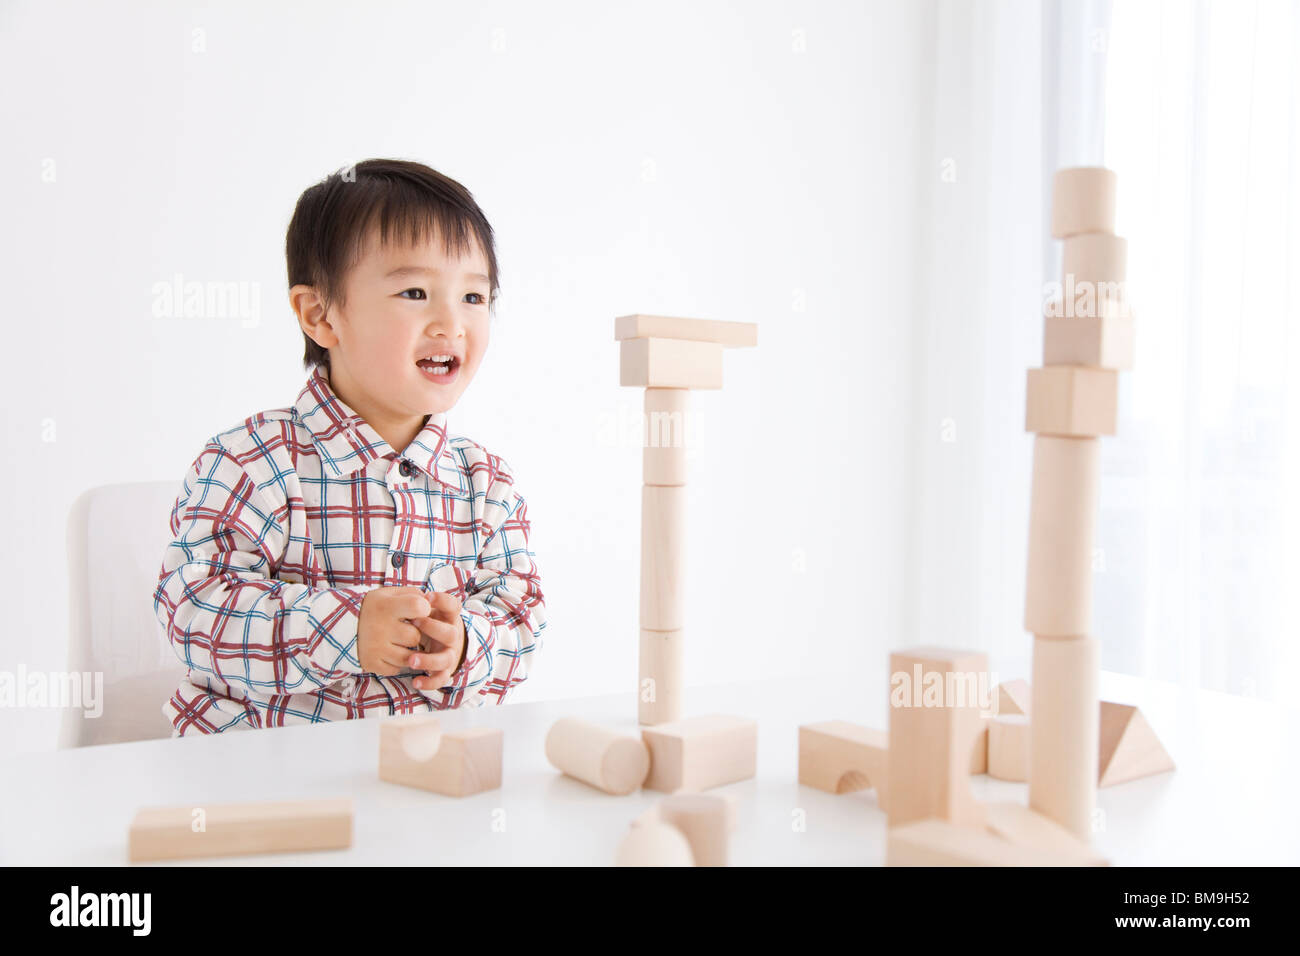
(685, 159)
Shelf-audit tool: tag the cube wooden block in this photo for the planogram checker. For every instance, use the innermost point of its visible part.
(1062, 519)
(663, 556)
(1128, 747)
(1072, 401)
(935, 698)
(1102, 341)
(727, 334)
(698, 753)
(1083, 200)
(935, 842)
(1063, 732)
(414, 752)
(670, 363)
(1096, 259)
(1009, 747)
(663, 459)
(234, 829)
(840, 757)
(661, 675)
(602, 757)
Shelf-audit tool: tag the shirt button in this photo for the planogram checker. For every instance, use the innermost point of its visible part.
(398, 559)
(406, 469)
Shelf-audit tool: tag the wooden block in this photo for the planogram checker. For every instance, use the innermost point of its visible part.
(663, 556)
(663, 460)
(662, 681)
(979, 755)
(655, 812)
(699, 753)
(1128, 747)
(1020, 826)
(1013, 697)
(1009, 747)
(727, 334)
(941, 843)
(1071, 401)
(840, 757)
(1105, 341)
(934, 722)
(654, 844)
(1063, 734)
(1062, 519)
(670, 363)
(606, 759)
(456, 763)
(1098, 260)
(1083, 200)
(703, 820)
(235, 829)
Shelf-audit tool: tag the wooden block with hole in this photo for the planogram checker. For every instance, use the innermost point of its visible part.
(703, 818)
(1098, 260)
(935, 705)
(840, 757)
(606, 759)
(1063, 733)
(1128, 747)
(1083, 200)
(1013, 697)
(934, 842)
(665, 434)
(699, 753)
(1071, 401)
(726, 334)
(661, 686)
(1062, 519)
(237, 829)
(415, 752)
(670, 363)
(1009, 748)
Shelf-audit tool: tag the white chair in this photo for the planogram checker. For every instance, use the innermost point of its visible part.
(116, 538)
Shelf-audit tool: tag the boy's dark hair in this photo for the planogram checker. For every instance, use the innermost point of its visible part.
(408, 200)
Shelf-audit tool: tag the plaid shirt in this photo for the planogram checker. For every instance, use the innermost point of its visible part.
(286, 521)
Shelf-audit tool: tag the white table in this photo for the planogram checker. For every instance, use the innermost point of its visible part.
(1231, 800)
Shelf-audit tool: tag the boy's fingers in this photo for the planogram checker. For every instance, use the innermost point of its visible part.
(446, 606)
(434, 681)
(407, 635)
(440, 631)
(412, 605)
(437, 661)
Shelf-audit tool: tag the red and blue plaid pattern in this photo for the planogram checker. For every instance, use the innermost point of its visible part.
(283, 524)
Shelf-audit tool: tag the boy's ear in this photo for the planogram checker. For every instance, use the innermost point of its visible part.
(310, 309)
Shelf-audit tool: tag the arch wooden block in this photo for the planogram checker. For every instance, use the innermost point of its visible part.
(661, 686)
(1062, 519)
(1083, 200)
(663, 460)
(235, 829)
(606, 759)
(1009, 747)
(840, 757)
(414, 752)
(654, 844)
(703, 818)
(663, 556)
(699, 753)
(931, 736)
(670, 363)
(1099, 259)
(726, 334)
(1063, 733)
(1099, 341)
(1013, 697)
(1071, 401)
(934, 842)
(1128, 747)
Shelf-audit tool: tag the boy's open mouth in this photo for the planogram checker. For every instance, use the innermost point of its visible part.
(440, 367)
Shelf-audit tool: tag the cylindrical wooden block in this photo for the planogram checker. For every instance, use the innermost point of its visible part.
(1083, 200)
(1009, 747)
(1098, 258)
(1063, 731)
(663, 556)
(604, 758)
(702, 818)
(659, 690)
(655, 844)
(664, 458)
(1062, 517)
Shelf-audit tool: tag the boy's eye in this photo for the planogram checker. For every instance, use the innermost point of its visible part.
(481, 300)
(404, 291)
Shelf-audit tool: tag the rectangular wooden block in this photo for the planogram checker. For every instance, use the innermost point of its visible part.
(1100, 341)
(231, 829)
(670, 363)
(727, 334)
(663, 556)
(840, 757)
(941, 843)
(414, 752)
(936, 700)
(1083, 200)
(1071, 401)
(1021, 826)
(701, 752)
(1062, 526)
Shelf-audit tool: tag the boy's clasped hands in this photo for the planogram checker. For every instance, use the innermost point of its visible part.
(403, 628)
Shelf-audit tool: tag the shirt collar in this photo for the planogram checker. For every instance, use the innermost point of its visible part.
(347, 442)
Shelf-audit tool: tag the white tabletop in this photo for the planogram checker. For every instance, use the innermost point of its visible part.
(1231, 800)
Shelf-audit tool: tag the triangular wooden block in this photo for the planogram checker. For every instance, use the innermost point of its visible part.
(1013, 697)
(1129, 747)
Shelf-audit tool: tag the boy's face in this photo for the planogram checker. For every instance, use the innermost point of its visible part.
(408, 307)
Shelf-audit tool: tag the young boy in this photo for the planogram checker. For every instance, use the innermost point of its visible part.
(347, 556)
